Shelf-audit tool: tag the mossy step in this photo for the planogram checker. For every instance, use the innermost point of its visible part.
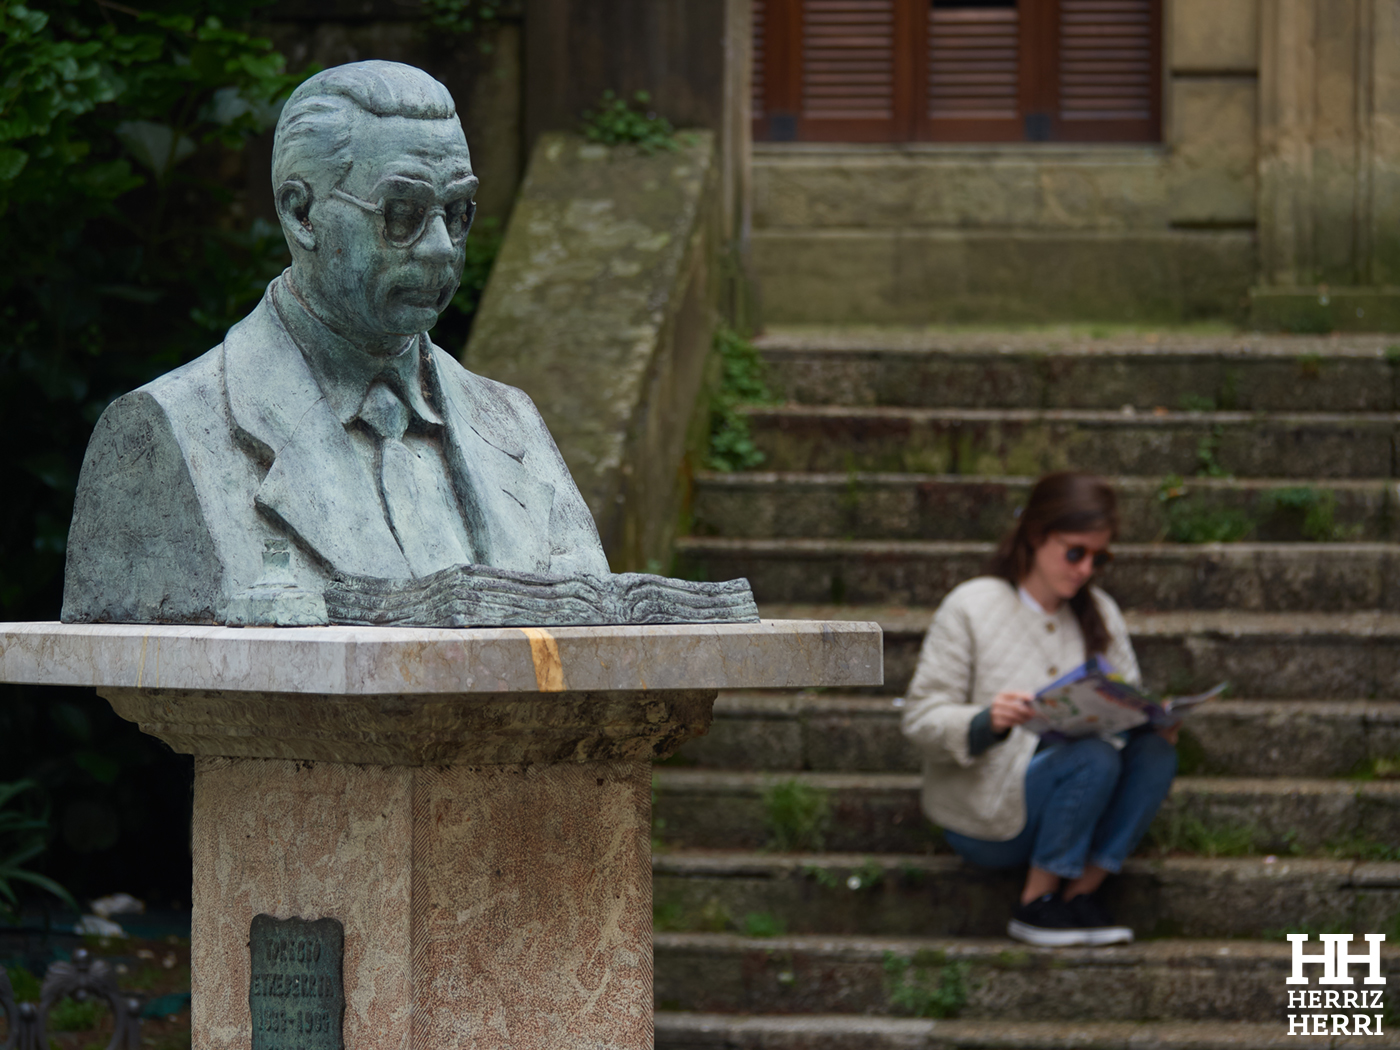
(697, 1031)
(993, 979)
(880, 813)
(893, 894)
(858, 505)
(1248, 577)
(1031, 442)
(838, 733)
(1314, 655)
(1030, 370)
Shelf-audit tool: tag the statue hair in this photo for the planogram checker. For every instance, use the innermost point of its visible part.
(314, 132)
(1064, 502)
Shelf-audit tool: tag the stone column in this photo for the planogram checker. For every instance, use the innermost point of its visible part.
(473, 807)
(1329, 145)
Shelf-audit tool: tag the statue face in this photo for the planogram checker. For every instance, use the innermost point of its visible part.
(391, 238)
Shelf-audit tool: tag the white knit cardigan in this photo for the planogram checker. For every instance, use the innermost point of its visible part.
(985, 640)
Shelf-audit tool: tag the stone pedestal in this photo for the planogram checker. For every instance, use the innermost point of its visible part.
(472, 806)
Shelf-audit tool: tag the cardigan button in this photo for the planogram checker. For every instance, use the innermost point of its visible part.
(1052, 670)
(1049, 628)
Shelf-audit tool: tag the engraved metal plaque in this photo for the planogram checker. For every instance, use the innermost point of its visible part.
(297, 992)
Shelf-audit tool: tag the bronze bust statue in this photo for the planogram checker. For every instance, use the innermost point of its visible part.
(327, 451)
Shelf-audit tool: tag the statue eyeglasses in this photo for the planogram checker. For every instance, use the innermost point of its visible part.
(407, 206)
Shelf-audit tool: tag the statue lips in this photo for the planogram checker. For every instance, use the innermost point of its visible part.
(427, 295)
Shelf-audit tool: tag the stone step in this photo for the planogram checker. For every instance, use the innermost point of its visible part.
(769, 505)
(1033, 441)
(879, 813)
(1300, 656)
(697, 1031)
(1248, 577)
(787, 731)
(993, 979)
(895, 894)
(910, 369)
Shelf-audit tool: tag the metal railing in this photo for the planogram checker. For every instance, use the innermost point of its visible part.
(82, 978)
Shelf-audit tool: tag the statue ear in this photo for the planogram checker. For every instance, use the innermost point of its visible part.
(294, 209)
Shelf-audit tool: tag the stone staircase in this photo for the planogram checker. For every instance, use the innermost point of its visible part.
(802, 900)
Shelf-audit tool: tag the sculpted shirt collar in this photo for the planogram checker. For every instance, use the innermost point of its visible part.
(343, 371)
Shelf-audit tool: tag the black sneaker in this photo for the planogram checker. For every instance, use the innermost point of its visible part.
(1047, 923)
(1096, 922)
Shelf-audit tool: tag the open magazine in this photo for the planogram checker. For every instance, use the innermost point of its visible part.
(1091, 700)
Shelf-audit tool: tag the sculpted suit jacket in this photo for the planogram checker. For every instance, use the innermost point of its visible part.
(187, 477)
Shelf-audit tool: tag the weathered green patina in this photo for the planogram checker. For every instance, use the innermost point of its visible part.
(328, 426)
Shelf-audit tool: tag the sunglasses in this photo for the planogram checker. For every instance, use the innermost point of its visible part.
(407, 208)
(1074, 555)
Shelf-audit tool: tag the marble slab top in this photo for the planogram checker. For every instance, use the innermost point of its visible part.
(399, 660)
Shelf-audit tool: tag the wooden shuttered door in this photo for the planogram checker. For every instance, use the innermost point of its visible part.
(973, 74)
(1109, 68)
(832, 70)
(905, 70)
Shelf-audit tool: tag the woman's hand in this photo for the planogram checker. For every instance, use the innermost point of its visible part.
(1167, 733)
(1010, 709)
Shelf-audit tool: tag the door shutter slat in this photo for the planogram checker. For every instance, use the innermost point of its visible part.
(973, 63)
(848, 59)
(1106, 67)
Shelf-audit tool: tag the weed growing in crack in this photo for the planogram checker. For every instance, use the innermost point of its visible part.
(798, 816)
(929, 985)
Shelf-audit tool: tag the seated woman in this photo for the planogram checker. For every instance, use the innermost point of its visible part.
(1071, 810)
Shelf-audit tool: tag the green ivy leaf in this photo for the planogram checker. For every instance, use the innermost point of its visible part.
(12, 162)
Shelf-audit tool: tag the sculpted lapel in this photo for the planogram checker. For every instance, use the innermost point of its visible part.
(507, 504)
(316, 486)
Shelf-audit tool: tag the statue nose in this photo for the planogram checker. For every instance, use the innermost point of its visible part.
(435, 241)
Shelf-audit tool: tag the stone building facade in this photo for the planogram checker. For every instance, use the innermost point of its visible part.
(1266, 189)
(1268, 192)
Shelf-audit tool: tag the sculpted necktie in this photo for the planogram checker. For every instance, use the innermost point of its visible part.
(417, 494)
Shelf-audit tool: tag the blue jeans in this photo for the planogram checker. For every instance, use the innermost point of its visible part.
(1086, 803)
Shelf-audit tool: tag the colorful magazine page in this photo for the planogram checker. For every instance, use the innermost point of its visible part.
(1094, 701)
(1088, 702)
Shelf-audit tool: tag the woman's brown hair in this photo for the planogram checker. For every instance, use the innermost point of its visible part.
(1063, 502)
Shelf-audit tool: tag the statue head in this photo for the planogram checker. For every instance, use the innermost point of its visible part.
(374, 189)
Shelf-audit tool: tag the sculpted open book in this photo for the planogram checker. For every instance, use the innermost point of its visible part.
(1092, 700)
(476, 595)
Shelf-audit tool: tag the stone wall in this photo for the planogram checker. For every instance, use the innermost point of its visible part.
(1329, 167)
(692, 56)
(1023, 233)
(1211, 105)
(602, 307)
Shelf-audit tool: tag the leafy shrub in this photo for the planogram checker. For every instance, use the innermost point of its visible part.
(127, 253)
(124, 254)
(463, 16)
(22, 838)
(742, 382)
(615, 123)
